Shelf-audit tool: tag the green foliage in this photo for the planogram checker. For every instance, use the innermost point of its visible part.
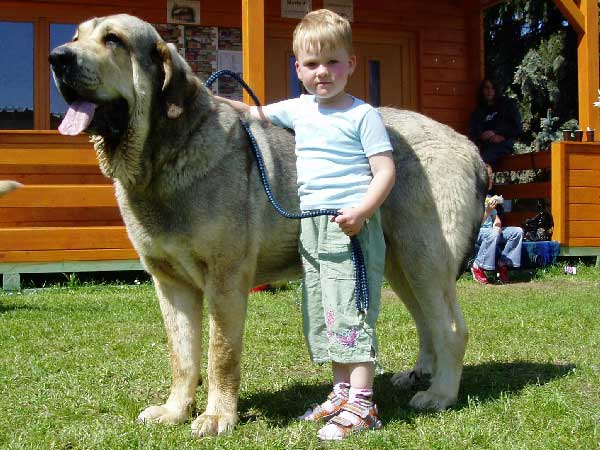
(538, 75)
(531, 51)
(549, 131)
(77, 366)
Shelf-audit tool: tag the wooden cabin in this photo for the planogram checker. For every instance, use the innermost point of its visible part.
(420, 55)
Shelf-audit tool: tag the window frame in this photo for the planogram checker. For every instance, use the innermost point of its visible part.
(41, 16)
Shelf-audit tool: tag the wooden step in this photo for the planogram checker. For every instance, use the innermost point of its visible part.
(47, 256)
(11, 156)
(64, 238)
(60, 196)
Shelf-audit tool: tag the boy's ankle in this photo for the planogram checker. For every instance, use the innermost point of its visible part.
(361, 397)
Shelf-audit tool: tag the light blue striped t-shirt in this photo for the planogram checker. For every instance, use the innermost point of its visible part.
(332, 149)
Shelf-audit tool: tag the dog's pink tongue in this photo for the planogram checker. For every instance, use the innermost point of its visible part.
(78, 117)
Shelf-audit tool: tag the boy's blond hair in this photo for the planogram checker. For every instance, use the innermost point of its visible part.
(323, 30)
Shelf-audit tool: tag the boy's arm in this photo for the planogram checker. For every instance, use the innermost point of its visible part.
(254, 112)
(382, 165)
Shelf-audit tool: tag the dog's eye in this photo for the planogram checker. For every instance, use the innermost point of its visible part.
(112, 40)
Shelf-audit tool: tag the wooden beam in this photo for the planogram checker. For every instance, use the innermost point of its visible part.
(253, 45)
(66, 238)
(61, 196)
(41, 75)
(67, 260)
(484, 4)
(474, 29)
(559, 191)
(587, 57)
(572, 13)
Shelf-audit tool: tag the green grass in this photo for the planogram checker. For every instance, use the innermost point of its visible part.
(78, 363)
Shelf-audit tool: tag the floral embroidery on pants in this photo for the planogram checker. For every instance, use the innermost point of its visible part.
(348, 338)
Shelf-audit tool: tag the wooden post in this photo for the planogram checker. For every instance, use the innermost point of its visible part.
(41, 90)
(584, 19)
(253, 45)
(474, 18)
(559, 192)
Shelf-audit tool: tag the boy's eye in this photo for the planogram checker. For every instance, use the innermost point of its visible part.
(333, 61)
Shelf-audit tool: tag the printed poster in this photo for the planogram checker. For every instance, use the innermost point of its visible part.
(295, 9)
(183, 11)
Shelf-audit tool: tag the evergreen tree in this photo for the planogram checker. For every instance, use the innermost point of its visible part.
(531, 50)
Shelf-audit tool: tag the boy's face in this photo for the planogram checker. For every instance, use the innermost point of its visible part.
(325, 73)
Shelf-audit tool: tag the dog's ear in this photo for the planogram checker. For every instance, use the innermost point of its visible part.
(180, 85)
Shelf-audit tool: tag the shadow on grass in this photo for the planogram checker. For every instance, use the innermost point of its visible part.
(483, 382)
(7, 307)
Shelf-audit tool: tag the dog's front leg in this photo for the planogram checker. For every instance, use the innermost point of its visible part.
(181, 307)
(227, 295)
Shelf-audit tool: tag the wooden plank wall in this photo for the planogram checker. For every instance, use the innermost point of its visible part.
(67, 209)
(576, 193)
(449, 48)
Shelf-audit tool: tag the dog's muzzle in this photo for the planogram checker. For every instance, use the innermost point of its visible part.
(62, 59)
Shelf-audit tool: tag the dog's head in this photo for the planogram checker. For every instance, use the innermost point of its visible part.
(116, 75)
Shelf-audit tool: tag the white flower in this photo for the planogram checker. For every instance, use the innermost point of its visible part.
(597, 104)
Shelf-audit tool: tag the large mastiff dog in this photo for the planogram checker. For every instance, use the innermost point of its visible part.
(190, 196)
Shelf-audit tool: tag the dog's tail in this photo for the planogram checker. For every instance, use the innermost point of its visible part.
(6, 186)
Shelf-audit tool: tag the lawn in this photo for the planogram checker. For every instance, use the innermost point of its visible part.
(78, 363)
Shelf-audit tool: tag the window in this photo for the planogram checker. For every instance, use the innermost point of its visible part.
(59, 34)
(374, 83)
(295, 83)
(16, 75)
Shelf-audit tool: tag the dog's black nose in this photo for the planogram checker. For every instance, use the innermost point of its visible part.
(60, 58)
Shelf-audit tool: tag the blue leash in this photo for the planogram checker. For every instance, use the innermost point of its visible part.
(360, 272)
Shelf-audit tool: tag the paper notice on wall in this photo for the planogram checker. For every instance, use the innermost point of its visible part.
(183, 11)
(230, 60)
(295, 9)
(228, 87)
(344, 8)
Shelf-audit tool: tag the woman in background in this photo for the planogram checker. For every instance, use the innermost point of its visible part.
(494, 124)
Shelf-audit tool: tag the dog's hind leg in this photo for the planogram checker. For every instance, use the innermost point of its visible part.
(181, 307)
(424, 365)
(227, 294)
(448, 334)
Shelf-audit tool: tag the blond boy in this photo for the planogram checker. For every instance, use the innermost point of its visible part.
(344, 162)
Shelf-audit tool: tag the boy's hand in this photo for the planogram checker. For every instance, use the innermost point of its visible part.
(350, 221)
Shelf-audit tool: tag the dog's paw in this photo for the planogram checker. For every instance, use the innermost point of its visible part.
(427, 400)
(213, 424)
(410, 379)
(163, 414)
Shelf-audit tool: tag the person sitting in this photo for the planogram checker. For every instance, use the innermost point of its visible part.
(494, 124)
(493, 237)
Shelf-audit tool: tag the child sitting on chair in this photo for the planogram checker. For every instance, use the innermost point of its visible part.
(492, 236)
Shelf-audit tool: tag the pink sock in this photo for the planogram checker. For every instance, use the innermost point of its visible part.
(362, 397)
(342, 389)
